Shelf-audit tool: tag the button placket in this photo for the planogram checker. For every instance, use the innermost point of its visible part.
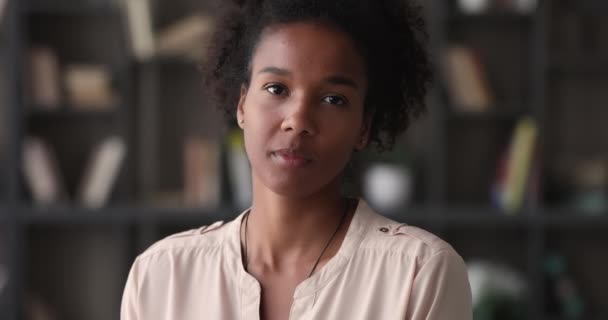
(301, 306)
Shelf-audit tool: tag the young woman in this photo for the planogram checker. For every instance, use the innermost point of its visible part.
(310, 82)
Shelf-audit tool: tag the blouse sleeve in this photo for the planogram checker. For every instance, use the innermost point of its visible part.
(129, 309)
(441, 290)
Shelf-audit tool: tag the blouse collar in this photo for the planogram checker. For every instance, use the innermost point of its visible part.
(352, 240)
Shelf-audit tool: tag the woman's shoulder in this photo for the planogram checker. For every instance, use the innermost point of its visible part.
(204, 237)
(391, 237)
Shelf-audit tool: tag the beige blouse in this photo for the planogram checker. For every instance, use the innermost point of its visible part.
(383, 270)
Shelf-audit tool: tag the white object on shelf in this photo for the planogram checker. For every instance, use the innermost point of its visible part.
(388, 187)
(139, 17)
(101, 173)
(41, 171)
(473, 6)
(488, 278)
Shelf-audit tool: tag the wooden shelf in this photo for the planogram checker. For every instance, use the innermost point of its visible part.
(490, 115)
(575, 219)
(599, 7)
(461, 216)
(122, 215)
(71, 114)
(581, 65)
(170, 60)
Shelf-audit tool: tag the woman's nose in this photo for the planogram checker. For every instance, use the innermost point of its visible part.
(300, 117)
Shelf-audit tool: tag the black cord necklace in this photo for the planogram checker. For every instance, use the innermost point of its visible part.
(346, 206)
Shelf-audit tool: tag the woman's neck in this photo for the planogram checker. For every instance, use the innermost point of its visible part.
(283, 231)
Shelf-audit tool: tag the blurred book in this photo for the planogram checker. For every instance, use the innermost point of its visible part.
(201, 172)
(37, 308)
(3, 5)
(89, 87)
(239, 170)
(517, 170)
(4, 114)
(101, 172)
(41, 172)
(186, 38)
(138, 14)
(43, 78)
(590, 182)
(4, 275)
(533, 188)
(468, 88)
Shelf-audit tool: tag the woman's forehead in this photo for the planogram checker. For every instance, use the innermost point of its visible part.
(307, 46)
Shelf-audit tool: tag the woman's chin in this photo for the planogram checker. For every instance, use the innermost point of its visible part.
(295, 186)
(291, 188)
(293, 183)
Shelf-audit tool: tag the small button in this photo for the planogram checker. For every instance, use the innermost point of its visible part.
(384, 229)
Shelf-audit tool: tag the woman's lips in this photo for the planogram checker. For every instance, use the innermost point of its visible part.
(291, 158)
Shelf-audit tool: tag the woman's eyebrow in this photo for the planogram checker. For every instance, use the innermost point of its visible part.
(336, 80)
(340, 80)
(275, 70)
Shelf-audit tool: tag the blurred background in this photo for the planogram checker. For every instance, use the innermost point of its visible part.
(107, 145)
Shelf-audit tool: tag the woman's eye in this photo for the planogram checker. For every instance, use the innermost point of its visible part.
(334, 100)
(275, 89)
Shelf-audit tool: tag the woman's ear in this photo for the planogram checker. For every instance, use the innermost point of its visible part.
(240, 112)
(364, 134)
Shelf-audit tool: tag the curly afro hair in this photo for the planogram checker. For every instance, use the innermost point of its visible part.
(390, 35)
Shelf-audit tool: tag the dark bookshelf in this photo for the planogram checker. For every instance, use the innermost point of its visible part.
(533, 72)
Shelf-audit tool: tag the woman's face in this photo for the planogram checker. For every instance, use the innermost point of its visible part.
(302, 113)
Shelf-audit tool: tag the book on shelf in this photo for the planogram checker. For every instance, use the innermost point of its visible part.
(43, 78)
(3, 6)
(89, 87)
(467, 85)
(201, 172)
(589, 181)
(518, 169)
(4, 274)
(41, 172)
(186, 38)
(4, 113)
(102, 172)
(138, 14)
